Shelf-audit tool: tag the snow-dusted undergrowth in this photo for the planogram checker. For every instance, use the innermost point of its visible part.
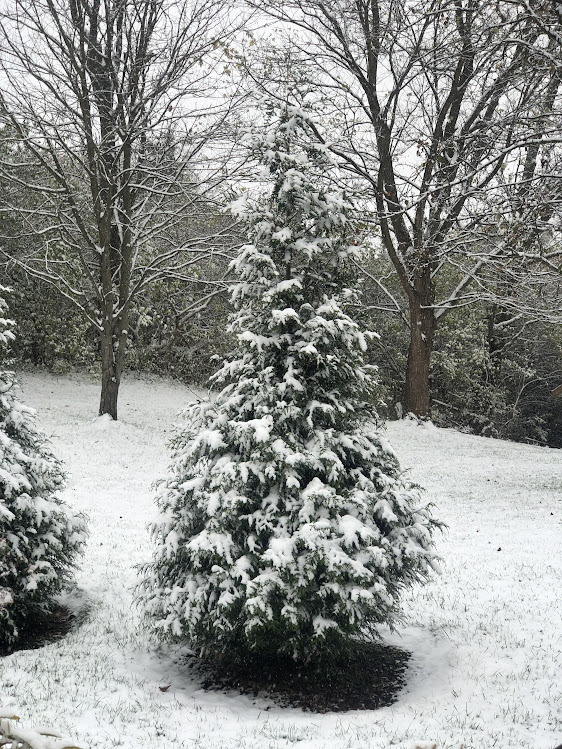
(486, 635)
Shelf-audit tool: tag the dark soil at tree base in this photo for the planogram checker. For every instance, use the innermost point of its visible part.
(43, 629)
(370, 677)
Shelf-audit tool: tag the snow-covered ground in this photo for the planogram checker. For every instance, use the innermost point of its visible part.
(486, 635)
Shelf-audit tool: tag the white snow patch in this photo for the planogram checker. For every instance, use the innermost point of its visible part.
(262, 428)
(104, 422)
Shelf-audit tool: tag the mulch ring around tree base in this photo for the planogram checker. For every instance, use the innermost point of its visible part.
(370, 677)
(44, 628)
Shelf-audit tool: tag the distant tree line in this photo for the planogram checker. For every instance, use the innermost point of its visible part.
(488, 381)
(120, 150)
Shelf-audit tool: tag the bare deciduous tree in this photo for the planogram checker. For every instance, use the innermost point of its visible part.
(115, 126)
(446, 109)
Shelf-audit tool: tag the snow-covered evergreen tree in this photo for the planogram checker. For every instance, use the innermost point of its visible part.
(39, 536)
(286, 525)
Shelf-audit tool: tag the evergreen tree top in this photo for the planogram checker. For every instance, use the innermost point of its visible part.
(297, 285)
(302, 196)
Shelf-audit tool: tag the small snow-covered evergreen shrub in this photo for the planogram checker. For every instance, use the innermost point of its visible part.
(286, 526)
(39, 536)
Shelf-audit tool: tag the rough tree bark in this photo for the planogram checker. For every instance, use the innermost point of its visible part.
(422, 331)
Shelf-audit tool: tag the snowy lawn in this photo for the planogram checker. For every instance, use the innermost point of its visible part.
(486, 636)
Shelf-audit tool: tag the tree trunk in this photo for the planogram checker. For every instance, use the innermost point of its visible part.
(422, 331)
(109, 394)
(110, 372)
